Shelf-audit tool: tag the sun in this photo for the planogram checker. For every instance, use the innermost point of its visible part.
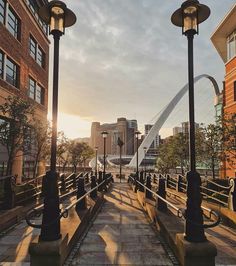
(73, 126)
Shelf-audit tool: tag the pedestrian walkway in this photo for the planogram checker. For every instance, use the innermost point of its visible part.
(121, 235)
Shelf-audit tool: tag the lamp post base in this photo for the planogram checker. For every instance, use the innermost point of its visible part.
(50, 230)
(194, 230)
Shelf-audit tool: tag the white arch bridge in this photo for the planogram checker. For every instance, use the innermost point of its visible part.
(161, 120)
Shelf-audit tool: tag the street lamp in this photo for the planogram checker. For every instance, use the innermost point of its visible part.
(58, 17)
(104, 135)
(145, 151)
(189, 16)
(120, 143)
(137, 133)
(96, 161)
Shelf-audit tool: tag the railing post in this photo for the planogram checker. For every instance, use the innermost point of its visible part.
(141, 188)
(93, 194)
(74, 181)
(154, 178)
(232, 195)
(63, 183)
(9, 194)
(161, 205)
(81, 205)
(100, 180)
(167, 180)
(178, 184)
(148, 194)
(136, 185)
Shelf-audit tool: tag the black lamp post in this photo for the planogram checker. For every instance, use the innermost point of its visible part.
(189, 16)
(145, 169)
(137, 133)
(58, 17)
(104, 135)
(96, 161)
(120, 143)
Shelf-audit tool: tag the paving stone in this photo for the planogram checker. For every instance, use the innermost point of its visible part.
(121, 235)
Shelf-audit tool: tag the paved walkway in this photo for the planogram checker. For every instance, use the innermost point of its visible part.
(121, 234)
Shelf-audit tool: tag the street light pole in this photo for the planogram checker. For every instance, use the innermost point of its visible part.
(96, 161)
(137, 133)
(58, 17)
(120, 143)
(145, 169)
(189, 16)
(104, 135)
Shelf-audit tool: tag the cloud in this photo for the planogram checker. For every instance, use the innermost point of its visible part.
(125, 58)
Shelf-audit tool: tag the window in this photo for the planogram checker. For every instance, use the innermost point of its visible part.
(40, 57)
(231, 46)
(13, 23)
(1, 64)
(33, 6)
(36, 92)
(32, 47)
(12, 72)
(32, 88)
(2, 11)
(39, 98)
(36, 52)
(235, 91)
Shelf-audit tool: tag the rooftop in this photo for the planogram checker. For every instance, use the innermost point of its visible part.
(224, 29)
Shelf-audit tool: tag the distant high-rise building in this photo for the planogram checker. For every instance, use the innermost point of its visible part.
(156, 142)
(177, 130)
(184, 128)
(123, 128)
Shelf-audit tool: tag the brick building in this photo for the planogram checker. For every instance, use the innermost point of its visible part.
(224, 40)
(24, 57)
(124, 129)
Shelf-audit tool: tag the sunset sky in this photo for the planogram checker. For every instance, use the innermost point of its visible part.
(124, 58)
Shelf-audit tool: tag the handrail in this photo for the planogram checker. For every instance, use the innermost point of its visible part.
(64, 213)
(211, 212)
(154, 193)
(181, 212)
(218, 192)
(218, 185)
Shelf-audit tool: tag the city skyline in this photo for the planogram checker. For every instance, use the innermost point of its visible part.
(101, 77)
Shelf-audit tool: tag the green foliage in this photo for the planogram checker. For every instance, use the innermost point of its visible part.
(15, 129)
(79, 153)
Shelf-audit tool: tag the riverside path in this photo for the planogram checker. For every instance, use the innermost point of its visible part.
(121, 234)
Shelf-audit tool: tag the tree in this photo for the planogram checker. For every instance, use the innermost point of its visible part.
(210, 146)
(79, 153)
(180, 150)
(63, 148)
(14, 130)
(87, 153)
(40, 142)
(166, 159)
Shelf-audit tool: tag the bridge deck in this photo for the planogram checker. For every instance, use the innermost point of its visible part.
(121, 235)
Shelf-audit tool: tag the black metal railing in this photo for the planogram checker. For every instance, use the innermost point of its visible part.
(36, 212)
(12, 194)
(180, 212)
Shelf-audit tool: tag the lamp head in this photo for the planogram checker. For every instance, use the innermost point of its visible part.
(57, 16)
(137, 133)
(190, 15)
(104, 134)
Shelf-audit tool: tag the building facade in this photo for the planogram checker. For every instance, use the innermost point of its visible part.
(156, 142)
(24, 58)
(184, 128)
(224, 40)
(123, 128)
